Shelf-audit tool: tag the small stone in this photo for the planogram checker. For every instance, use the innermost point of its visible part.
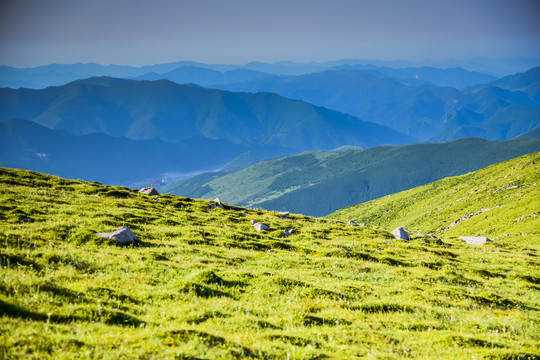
(217, 202)
(149, 191)
(258, 226)
(122, 235)
(288, 232)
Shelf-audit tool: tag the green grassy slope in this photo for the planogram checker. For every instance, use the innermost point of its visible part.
(319, 183)
(202, 284)
(511, 190)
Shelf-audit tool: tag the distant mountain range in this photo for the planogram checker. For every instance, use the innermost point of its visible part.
(122, 131)
(248, 113)
(499, 110)
(171, 112)
(318, 183)
(59, 74)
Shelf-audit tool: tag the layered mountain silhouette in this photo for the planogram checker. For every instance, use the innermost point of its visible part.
(171, 112)
(498, 110)
(318, 183)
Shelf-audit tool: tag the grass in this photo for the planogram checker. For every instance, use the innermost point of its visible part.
(318, 183)
(499, 201)
(203, 284)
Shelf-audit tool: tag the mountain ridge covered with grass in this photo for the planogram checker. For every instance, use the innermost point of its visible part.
(319, 183)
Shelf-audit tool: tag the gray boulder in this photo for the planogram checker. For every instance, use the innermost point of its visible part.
(122, 235)
(400, 233)
(475, 240)
(149, 191)
(258, 226)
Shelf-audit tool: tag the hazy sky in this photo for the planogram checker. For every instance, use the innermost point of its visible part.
(141, 32)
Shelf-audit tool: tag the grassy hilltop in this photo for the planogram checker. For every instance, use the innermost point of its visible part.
(501, 200)
(203, 284)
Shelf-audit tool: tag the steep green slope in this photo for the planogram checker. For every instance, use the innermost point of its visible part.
(502, 200)
(202, 283)
(318, 183)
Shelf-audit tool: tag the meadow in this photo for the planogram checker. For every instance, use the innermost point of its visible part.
(201, 283)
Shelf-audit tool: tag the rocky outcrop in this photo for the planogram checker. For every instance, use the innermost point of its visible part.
(465, 217)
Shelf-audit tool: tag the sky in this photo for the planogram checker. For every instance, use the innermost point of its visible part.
(144, 32)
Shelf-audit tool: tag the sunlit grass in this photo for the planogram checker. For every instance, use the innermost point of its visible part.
(202, 283)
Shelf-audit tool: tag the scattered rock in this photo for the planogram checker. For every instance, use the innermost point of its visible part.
(284, 213)
(475, 240)
(27, 219)
(95, 195)
(288, 232)
(122, 235)
(353, 223)
(468, 216)
(400, 233)
(149, 191)
(217, 202)
(258, 226)
(345, 249)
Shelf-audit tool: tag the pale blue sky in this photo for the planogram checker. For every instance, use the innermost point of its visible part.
(141, 32)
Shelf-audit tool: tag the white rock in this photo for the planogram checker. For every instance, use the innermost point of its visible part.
(218, 203)
(122, 235)
(258, 226)
(475, 240)
(400, 233)
(149, 191)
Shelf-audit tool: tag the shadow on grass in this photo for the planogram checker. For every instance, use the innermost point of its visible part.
(176, 337)
(14, 260)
